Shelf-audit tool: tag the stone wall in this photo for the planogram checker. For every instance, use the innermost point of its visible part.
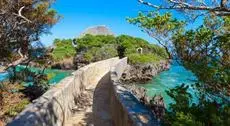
(126, 110)
(55, 106)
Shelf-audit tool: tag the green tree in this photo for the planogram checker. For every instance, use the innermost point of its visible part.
(160, 27)
(63, 49)
(205, 51)
(100, 47)
(21, 23)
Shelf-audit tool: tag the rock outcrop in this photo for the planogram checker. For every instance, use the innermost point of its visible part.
(156, 103)
(97, 30)
(79, 61)
(143, 73)
(66, 64)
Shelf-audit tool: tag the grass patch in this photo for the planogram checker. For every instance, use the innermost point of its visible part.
(143, 58)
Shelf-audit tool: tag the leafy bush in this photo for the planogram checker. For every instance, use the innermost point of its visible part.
(143, 58)
(96, 54)
(204, 113)
(100, 47)
(89, 41)
(14, 109)
(63, 49)
(36, 82)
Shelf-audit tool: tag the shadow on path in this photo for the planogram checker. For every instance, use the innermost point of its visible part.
(101, 102)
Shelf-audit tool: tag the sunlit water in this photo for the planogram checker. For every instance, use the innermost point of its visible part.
(3, 76)
(175, 76)
(57, 75)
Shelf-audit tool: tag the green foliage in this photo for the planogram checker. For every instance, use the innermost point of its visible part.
(102, 47)
(151, 52)
(17, 108)
(205, 51)
(130, 42)
(207, 54)
(161, 24)
(183, 119)
(36, 82)
(100, 53)
(160, 27)
(63, 49)
(89, 41)
(205, 112)
(36, 19)
(136, 58)
(181, 97)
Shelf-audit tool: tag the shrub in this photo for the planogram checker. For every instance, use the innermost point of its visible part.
(36, 82)
(143, 58)
(96, 54)
(14, 109)
(63, 49)
(89, 41)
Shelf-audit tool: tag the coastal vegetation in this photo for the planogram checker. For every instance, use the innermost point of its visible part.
(203, 50)
(21, 25)
(92, 48)
(62, 49)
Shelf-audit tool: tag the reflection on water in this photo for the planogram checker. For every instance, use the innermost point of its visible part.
(175, 76)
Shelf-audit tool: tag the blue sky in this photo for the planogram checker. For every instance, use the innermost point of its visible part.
(81, 14)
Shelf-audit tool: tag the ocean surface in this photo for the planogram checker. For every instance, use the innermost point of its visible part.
(171, 78)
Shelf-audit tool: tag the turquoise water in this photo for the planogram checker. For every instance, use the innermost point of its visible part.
(55, 75)
(175, 76)
(3, 76)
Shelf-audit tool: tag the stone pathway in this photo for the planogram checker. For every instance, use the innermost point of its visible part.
(93, 107)
(82, 112)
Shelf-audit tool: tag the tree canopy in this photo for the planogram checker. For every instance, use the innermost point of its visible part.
(21, 23)
(160, 27)
(100, 47)
(203, 50)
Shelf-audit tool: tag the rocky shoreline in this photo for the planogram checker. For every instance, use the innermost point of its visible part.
(140, 74)
(156, 103)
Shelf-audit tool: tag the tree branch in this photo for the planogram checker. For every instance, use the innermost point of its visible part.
(21, 16)
(221, 10)
(223, 3)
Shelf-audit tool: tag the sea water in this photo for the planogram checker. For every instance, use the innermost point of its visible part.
(3, 76)
(175, 76)
(58, 74)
